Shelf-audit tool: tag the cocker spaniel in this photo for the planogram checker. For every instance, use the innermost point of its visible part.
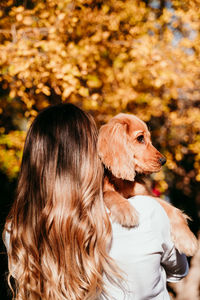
(125, 148)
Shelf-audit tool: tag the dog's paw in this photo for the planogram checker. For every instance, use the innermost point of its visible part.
(124, 213)
(184, 240)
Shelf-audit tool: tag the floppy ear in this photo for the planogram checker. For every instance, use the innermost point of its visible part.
(115, 150)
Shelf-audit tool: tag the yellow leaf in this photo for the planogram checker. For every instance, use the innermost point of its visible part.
(83, 92)
(67, 91)
(19, 17)
(94, 82)
(28, 21)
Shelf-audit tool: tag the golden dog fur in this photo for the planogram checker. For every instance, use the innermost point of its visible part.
(125, 148)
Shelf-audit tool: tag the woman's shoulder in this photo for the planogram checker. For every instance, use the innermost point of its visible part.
(149, 208)
(146, 203)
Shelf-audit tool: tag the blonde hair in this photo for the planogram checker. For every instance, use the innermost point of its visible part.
(60, 233)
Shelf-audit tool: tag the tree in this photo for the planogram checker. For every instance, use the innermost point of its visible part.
(107, 57)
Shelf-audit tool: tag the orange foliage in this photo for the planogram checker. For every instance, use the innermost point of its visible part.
(108, 57)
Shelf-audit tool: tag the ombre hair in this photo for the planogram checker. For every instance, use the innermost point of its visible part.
(59, 230)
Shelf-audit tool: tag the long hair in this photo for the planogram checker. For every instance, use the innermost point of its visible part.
(59, 230)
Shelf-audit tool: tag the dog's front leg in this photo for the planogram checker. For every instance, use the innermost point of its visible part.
(121, 211)
(184, 240)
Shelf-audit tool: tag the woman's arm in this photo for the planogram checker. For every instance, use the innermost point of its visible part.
(174, 263)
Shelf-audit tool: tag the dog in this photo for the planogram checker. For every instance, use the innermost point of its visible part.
(125, 148)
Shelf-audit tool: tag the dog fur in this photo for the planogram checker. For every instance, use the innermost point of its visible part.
(125, 148)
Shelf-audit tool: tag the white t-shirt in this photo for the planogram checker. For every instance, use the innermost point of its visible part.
(146, 254)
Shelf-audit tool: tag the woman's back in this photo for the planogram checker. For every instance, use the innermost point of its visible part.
(146, 253)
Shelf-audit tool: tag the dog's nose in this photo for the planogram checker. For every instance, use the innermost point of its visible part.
(162, 160)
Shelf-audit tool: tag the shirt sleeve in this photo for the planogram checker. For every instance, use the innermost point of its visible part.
(6, 236)
(174, 263)
(7, 240)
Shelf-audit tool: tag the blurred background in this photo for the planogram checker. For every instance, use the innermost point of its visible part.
(107, 57)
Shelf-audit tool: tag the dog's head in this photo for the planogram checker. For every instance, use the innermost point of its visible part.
(124, 146)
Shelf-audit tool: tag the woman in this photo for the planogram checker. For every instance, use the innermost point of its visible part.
(58, 233)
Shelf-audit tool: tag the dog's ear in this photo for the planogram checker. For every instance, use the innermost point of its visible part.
(115, 150)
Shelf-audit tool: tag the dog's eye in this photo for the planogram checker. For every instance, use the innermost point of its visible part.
(140, 138)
